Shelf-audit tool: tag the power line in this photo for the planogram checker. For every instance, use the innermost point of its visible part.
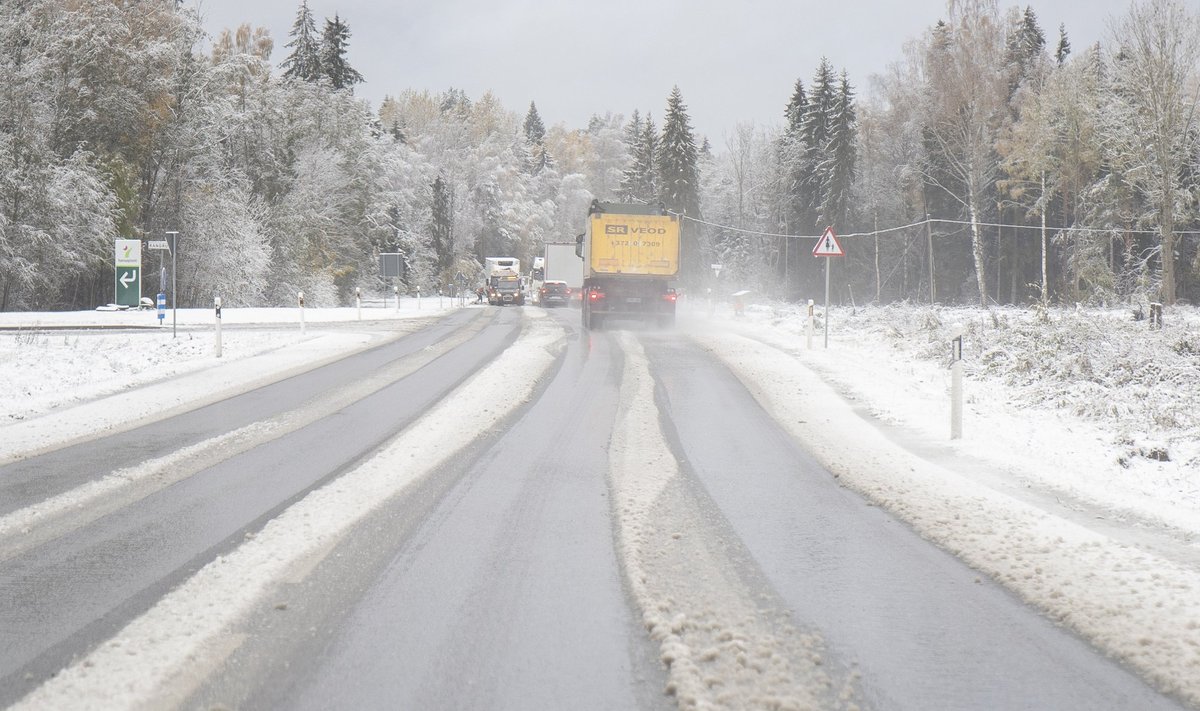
(931, 220)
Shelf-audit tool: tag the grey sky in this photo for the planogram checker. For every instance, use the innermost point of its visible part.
(733, 61)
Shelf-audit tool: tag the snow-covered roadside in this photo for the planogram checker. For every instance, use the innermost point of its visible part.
(1140, 609)
(722, 650)
(58, 387)
(1080, 404)
(156, 659)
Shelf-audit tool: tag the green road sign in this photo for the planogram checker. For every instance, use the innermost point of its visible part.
(129, 286)
(128, 261)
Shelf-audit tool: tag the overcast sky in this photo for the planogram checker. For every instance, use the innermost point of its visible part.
(734, 60)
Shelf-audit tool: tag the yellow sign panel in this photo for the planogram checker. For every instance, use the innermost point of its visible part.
(634, 244)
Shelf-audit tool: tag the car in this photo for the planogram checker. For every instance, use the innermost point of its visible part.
(506, 291)
(554, 293)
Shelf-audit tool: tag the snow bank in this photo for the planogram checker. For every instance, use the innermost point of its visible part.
(155, 661)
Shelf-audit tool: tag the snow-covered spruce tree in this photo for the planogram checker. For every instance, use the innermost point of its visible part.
(840, 157)
(813, 162)
(335, 43)
(630, 179)
(809, 170)
(441, 226)
(535, 135)
(788, 154)
(304, 62)
(1151, 122)
(1063, 50)
(679, 187)
(640, 181)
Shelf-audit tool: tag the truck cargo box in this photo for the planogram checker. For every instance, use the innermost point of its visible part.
(631, 244)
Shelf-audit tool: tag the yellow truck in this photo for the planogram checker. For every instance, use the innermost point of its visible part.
(630, 260)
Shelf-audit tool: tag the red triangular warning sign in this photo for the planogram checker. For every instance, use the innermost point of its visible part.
(828, 245)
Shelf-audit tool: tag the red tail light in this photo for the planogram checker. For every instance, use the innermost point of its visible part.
(595, 295)
(670, 297)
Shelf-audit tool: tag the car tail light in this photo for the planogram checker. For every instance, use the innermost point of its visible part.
(568, 292)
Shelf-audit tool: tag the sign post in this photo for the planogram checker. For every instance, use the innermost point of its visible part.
(828, 246)
(173, 245)
(160, 245)
(128, 272)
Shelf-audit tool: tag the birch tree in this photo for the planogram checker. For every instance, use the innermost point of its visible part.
(1150, 124)
(967, 93)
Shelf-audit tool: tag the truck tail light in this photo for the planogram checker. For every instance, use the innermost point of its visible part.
(671, 296)
(595, 295)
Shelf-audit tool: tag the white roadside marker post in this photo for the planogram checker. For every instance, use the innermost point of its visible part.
(956, 387)
(808, 332)
(217, 302)
(396, 291)
(358, 301)
(300, 301)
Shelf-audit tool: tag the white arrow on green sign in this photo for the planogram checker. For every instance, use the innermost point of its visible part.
(129, 286)
(128, 272)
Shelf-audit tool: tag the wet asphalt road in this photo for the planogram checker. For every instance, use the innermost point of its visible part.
(61, 598)
(922, 629)
(497, 584)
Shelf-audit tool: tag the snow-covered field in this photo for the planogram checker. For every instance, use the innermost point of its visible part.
(1076, 483)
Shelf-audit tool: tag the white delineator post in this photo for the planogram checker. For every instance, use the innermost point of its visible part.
(358, 301)
(396, 291)
(217, 303)
(808, 332)
(300, 304)
(956, 387)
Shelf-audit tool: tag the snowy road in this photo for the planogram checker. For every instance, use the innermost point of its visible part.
(563, 520)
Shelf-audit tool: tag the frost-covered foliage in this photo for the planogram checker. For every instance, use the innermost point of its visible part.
(1105, 366)
(114, 122)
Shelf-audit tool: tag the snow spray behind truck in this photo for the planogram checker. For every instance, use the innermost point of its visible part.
(630, 260)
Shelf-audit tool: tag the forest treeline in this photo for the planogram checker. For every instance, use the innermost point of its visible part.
(988, 164)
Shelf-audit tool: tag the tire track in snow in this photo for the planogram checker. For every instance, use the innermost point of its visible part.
(159, 658)
(722, 649)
